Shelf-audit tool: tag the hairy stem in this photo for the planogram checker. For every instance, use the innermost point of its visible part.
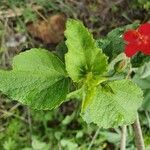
(124, 127)
(138, 134)
(123, 137)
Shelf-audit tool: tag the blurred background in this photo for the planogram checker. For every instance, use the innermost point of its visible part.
(25, 24)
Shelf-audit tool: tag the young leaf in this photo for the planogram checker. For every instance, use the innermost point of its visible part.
(89, 89)
(83, 55)
(115, 107)
(38, 79)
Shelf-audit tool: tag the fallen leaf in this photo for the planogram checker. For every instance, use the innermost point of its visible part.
(50, 31)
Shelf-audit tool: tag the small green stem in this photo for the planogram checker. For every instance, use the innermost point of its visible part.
(94, 138)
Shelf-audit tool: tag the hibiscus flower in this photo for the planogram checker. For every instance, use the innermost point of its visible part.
(138, 40)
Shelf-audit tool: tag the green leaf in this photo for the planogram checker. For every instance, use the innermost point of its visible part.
(39, 145)
(139, 59)
(61, 50)
(38, 79)
(68, 144)
(115, 107)
(142, 78)
(83, 55)
(89, 89)
(114, 44)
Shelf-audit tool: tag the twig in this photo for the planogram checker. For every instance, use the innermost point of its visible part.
(138, 134)
(14, 107)
(123, 138)
(8, 114)
(40, 15)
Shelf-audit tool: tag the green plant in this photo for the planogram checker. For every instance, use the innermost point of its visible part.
(144, 4)
(41, 80)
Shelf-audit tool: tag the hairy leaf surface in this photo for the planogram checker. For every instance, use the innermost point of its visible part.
(114, 105)
(38, 79)
(83, 55)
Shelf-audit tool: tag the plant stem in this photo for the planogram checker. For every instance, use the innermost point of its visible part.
(124, 127)
(123, 137)
(138, 134)
(148, 118)
(94, 138)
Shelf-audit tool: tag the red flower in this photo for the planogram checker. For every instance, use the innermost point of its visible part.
(138, 40)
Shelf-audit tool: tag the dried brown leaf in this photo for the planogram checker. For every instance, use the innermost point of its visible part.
(50, 31)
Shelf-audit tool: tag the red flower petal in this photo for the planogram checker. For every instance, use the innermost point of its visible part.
(131, 49)
(144, 29)
(131, 35)
(145, 48)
